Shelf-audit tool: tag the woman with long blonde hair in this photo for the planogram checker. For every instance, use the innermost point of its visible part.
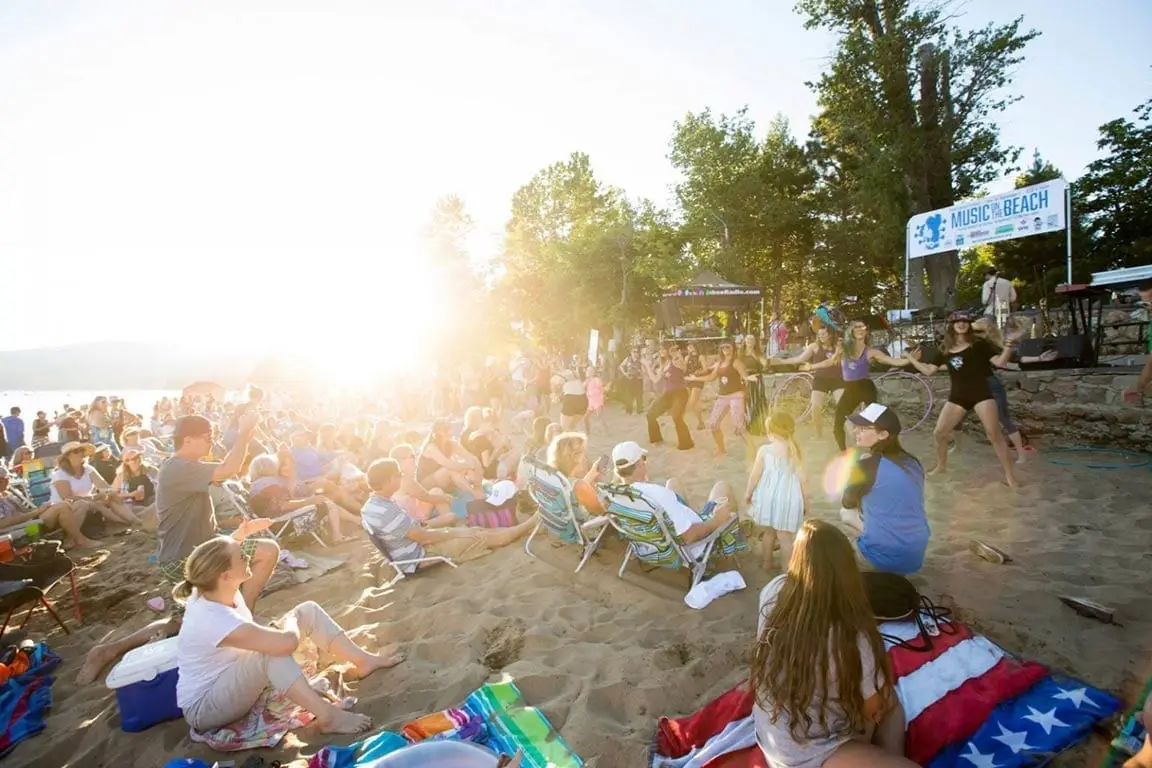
(730, 373)
(226, 659)
(820, 674)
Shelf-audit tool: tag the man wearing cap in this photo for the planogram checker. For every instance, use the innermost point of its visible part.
(884, 497)
(631, 464)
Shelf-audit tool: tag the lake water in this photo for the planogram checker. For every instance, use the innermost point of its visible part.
(137, 401)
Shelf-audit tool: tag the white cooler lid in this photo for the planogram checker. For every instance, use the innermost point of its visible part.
(143, 663)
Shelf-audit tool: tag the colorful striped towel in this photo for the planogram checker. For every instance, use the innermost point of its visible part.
(508, 725)
(25, 699)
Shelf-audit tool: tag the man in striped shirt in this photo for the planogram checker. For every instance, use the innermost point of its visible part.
(401, 538)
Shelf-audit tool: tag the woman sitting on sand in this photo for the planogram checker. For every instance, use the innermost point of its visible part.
(820, 673)
(884, 495)
(569, 454)
(444, 463)
(137, 483)
(73, 481)
(431, 507)
(226, 660)
(272, 494)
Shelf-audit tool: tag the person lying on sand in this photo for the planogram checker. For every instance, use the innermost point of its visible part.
(226, 660)
(187, 518)
(402, 538)
(631, 463)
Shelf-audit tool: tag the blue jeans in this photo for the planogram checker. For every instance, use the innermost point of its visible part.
(1001, 397)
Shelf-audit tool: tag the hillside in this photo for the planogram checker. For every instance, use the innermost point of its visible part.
(119, 365)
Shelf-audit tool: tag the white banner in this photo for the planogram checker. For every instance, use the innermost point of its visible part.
(1033, 210)
(594, 347)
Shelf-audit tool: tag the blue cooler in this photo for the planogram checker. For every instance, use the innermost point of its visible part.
(145, 684)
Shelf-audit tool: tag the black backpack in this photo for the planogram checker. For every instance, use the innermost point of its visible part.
(894, 598)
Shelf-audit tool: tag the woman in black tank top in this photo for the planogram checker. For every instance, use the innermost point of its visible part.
(825, 381)
(730, 374)
(445, 465)
(694, 367)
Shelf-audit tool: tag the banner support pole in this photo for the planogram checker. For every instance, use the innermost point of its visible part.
(907, 269)
(1068, 228)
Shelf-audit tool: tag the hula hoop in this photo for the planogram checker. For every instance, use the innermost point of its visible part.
(1145, 459)
(923, 384)
(804, 380)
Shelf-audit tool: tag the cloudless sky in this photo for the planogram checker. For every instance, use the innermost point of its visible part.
(266, 168)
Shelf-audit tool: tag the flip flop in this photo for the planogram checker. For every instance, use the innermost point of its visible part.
(988, 552)
(156, 604)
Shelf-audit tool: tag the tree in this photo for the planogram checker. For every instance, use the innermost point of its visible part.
(906, 116)
(1115, 194)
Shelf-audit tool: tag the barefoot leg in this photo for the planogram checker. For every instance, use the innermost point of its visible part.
(102, 654)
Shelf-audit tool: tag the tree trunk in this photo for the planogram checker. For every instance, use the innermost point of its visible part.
(935, 182)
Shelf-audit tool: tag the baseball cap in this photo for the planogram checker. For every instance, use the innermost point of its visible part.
(627, 453)
(878, 416)
(190, 426)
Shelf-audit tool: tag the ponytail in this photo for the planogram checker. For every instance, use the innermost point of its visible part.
(182, 591)
(204, 566)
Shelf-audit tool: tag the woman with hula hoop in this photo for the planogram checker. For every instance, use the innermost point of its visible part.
(970, 361)
(825, 381)
(730, 373)
(859, 389)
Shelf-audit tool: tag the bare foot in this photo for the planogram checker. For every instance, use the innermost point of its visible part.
(338, 721)
(1022, 458)
(939, 469)
(719, 454)
(99, 657)
(1011, 481)
(82, 543)
(388, 657)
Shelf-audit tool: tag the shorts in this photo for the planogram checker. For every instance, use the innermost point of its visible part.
(173, 570)
(733, 403)
(826, 384)
(573, 405)
(968, 397)
(460, 549)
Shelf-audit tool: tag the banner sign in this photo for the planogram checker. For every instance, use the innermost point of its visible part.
(1034, 210)
(594, 346)
(697, 292)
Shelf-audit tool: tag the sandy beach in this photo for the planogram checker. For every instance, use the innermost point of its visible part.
(604, 657)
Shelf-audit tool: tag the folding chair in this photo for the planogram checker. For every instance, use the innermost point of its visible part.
(559, 511)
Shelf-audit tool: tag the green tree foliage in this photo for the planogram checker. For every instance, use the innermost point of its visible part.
(747, 203)
(905, 127)
(579, 255)
(1115, 195)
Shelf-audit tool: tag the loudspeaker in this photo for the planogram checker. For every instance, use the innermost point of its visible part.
(1071, 351)
(668, 313)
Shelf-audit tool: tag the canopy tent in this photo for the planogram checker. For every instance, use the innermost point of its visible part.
(708, 291)
(204, 389)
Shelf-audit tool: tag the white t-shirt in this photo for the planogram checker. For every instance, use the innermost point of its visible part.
(198, 653)
(775, 738)
(81, 486)
(680, 514)
(998, 294)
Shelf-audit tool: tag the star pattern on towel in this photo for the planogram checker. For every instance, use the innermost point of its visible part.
(1017, 741)
(979, 759)
(1046, 720)
(1077, 696)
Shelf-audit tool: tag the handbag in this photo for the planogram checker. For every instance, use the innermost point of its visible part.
(894, 598)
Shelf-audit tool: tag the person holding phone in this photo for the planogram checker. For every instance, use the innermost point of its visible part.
(568, 452)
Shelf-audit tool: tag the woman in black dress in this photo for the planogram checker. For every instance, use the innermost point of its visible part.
(755, 363)
(694, 367)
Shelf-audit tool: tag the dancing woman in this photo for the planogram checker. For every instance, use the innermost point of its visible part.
(731, 374)
(969, 360)
(695, 369)
(825, 381)
(859, 389)
(667, 376)
(755, 363)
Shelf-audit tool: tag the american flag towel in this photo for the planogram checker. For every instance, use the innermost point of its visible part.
(967, 704)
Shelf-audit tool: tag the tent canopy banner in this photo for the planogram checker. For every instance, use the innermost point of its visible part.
(708, 284)
(1033, 210)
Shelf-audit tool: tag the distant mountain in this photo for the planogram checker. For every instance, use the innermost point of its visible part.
(120, 365)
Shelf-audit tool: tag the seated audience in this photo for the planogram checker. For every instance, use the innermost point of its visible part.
(309, 484)
(481, 437)
(105, 463)
(271, 495)
(884, 501)
(403, 539)
(14, 510)
(430, 507)
(137, 483)
(75, 482)
(226, 659)
(820, 674)
(444, 463)
(631, 464)
(569, 454)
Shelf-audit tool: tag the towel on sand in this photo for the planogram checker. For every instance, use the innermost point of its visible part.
(25, 699)
(966, 703)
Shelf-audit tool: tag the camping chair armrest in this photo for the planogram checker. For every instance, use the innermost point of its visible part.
(595, 522)
(732, 521)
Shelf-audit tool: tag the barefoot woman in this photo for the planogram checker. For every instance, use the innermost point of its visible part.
(226, 660)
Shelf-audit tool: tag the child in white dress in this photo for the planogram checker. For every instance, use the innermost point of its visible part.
(777, 488)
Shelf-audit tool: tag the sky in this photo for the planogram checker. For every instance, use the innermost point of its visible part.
(252, 173)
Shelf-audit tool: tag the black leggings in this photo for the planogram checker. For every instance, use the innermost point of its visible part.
(673, 401)
(861, 392)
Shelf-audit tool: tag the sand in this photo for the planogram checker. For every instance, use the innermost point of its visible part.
(604, 657)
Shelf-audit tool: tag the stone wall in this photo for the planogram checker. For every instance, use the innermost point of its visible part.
(1080, 406)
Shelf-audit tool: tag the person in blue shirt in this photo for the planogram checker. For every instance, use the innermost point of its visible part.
(14, 429)
(884, 495)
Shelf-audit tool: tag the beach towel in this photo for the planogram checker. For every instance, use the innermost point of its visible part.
(26, 698)
(270, 718)
(966, 702)
(494, 715)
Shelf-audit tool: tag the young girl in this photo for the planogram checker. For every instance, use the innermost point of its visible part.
(594, 386)
(820, 674)
(777, 488)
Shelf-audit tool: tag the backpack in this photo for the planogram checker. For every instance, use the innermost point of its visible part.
(894, 598)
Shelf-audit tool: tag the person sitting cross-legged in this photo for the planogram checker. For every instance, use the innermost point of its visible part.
(403, 539)
(226, 660)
